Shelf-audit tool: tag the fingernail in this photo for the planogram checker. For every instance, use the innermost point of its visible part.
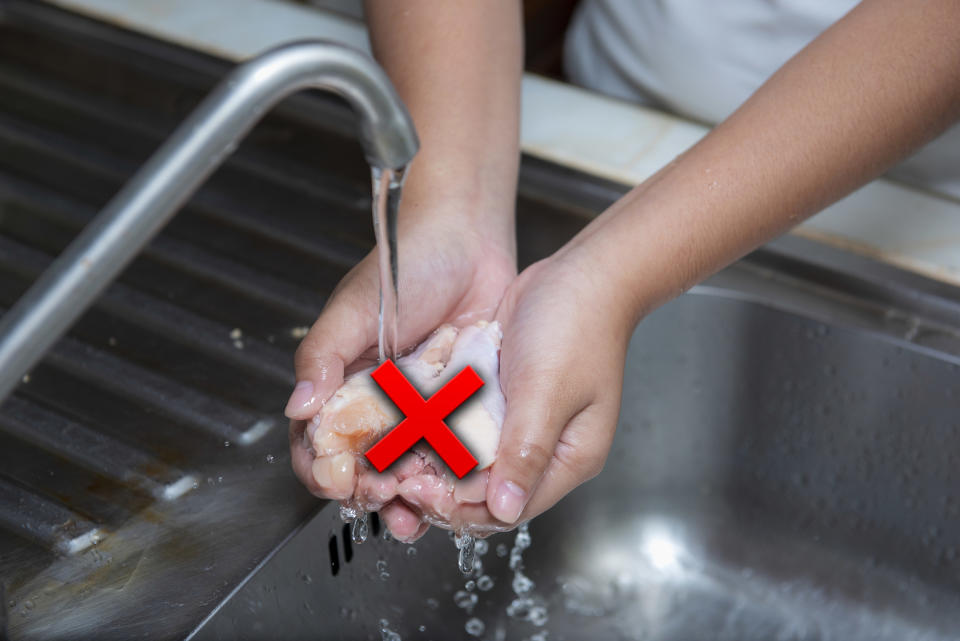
(302, 397)
(508, 502)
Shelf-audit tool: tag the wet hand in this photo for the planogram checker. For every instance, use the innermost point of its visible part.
(565, 338)
(448, 274)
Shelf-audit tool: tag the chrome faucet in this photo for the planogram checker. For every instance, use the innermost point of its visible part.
(148, 201)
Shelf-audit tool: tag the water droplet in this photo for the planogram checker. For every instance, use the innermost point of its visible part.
(538, 615)
(382, 569)
(465, 543)
(485, 582)
(411, 551)
(521, 583)
(270, 458)
(226, 443)
(386, 634)
(465, 600)
(474, 627)
(519, 608)
(360, 529)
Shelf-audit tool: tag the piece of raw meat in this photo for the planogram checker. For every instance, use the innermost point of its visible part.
(360, 413)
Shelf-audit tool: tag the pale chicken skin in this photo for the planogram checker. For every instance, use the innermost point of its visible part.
(360, 413)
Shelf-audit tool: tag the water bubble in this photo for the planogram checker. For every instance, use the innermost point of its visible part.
(226, 443)
(433, 604)
(386, 634)
(538, 616)
(502, 550)
(485, 582)
(539, 636)
(471, 586)
(519, 608)
(522, 584)
(474, 627)
(382, 569)
(481, 546)
(270, 458)
(523, 537)
(303, 576)
(422, 628)
(465, 600)
(411, 551)
(28, 604)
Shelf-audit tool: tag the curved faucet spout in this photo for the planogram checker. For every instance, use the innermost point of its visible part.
(180, 166)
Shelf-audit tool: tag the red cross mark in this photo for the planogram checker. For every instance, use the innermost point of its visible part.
(424, 419)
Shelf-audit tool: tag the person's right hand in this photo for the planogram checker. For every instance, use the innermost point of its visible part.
(450, 271)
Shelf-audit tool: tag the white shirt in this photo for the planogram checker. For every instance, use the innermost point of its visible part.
(703, 58)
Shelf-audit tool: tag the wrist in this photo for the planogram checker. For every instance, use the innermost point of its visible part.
(462, 198)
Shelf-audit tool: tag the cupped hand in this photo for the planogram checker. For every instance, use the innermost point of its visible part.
(449, 272)
(566, 332)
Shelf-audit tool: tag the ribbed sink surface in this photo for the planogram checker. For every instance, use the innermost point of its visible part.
(785, 465)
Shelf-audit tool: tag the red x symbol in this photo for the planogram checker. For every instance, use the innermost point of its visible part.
(424, 419)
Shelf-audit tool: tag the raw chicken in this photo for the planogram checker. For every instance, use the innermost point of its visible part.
(360, 413)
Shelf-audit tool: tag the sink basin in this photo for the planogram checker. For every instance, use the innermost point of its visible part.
(773, 477)
(785, 463)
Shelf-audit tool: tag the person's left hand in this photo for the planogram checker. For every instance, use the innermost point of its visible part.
(565, 338)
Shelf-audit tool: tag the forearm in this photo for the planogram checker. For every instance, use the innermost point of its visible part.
(874, 87)
(457, 66)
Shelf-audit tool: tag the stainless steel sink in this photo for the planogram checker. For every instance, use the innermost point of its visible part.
(785, 465)
(774, 476)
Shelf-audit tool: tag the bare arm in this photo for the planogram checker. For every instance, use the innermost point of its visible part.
(875, 86)
(457, 66)
(878, 84)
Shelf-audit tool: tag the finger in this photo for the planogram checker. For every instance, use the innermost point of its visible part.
(345, 329)
(579, 456)
(301, 458)
(403, 523)
(374, 490)
(472, 488)
(539, 405)
(429, 494)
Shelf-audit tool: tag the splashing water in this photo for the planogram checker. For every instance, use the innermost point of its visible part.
(474, 627)
(386, 634)
(361, 528)
(466, 544)
(526, 606)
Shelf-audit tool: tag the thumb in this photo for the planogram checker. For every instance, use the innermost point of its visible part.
(538, 409)
(346, 327)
